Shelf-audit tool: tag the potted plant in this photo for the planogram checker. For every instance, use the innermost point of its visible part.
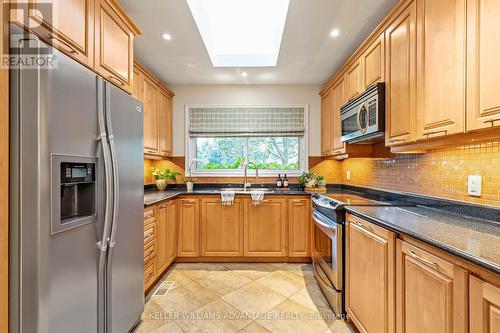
(162, 176)
(321, 181)
(307, 179)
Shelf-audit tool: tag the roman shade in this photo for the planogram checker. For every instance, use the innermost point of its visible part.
(246, 121)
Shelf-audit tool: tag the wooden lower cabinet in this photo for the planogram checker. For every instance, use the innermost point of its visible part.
(265, 228)
(299, 227)
(188, 240)
(165, 235)
(221, 228)
(149, 273)
(431, 293)
(484, 306)
(370, 276)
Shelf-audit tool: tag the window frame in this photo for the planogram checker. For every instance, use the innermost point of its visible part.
(190, 146)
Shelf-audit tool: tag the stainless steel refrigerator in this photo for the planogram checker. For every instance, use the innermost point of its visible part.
(77, 200)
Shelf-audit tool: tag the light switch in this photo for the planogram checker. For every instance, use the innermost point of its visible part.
(348, 176)
(474, 185)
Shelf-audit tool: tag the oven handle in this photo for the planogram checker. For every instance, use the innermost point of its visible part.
(321, 223)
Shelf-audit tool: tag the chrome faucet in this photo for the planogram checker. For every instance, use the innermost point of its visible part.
(245, 184)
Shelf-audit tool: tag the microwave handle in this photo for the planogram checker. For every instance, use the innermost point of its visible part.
(321, 223)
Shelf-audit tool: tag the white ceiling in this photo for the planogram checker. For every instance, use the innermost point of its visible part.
(308, 54)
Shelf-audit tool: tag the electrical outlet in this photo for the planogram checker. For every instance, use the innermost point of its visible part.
(474, 186)
(348, 176)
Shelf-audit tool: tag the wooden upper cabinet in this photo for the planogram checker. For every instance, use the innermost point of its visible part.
(484, 306)
(373, 62)
(440, 67)
(138, 84)
(326, 141)
(221, 228)
(114, 53)
(299, 227)
(265, 228)
(431, 293)
(370, 275)
(165, 123)
(354, 80)
(337, 100)
(68, 25)
(188, 239)
(401, 87)
(483, 75)
(151, 115)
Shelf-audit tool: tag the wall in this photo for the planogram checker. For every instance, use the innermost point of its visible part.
(441, 172)
(246, 95)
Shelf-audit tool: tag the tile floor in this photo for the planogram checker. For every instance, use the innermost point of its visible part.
(240, 297)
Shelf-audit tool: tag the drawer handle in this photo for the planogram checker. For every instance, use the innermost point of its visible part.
(149, 275)
(491, 121)
(422, 260)
(149, 253)
(114, 78)
(435, 132)
(72, 50)
(149, 214)
(361, 225)
(163, 206)
(149, 234)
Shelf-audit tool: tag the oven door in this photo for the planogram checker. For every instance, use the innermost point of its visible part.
(327, 249)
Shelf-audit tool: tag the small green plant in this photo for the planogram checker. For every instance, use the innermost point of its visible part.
(306, 177)
(320, 178)
(164, 173)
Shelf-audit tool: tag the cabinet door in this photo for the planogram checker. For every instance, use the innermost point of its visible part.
(171, 243)
(151, 118)
(440, 67)
(221, 228)
(265, 229)
(354, 80)
(483, 76)
(161, 238)
(370, 274)
(299, 227)
(138, 84)
(326, 125)
(373, 62)
(401, 78)
(68, 26)
(114, 56)
(484, 306)
(338, 99)
(431, 293)
(165, 124)
(188, 240)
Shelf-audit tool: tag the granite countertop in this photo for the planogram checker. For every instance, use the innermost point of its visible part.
(470, 238)
(441, 224)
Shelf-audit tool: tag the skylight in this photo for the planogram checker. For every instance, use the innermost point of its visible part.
(241, 33)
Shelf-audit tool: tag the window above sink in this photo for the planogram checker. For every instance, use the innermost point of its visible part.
(222, 139)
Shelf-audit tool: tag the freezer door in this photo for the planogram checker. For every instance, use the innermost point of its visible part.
(125, 274)
(53, 244)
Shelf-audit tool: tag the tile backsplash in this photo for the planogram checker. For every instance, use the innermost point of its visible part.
(440, 172)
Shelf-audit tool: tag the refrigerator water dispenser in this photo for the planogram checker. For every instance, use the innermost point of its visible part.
(73, 191)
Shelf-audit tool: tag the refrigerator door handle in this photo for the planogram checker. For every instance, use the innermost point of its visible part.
(114, 161)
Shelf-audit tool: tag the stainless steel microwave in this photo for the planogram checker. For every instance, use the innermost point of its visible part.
(363, 118)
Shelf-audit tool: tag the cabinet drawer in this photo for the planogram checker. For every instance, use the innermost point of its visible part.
(149, 273)
(149, 233)
(149, 251)
(149, 215)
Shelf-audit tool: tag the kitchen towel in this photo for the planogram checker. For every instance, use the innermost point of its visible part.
(227, 197)
(257, 197)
